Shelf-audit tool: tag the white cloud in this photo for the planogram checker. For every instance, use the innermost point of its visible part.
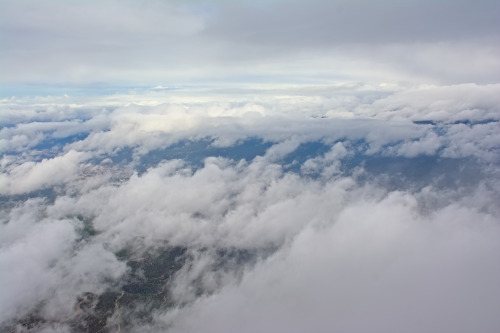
(45, 269)
(27, 263)
(481, 140)
(427, 145)
(334, 245)
(327, 165)
(345, 252)
(439, 103)
(379, 267)
(32, 176)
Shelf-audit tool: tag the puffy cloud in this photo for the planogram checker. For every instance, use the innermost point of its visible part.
(380, 266)
(344, 251)
(29, 251)
(427, 145)
(32, 176)
(481, 139)
(46, 265)
(463, 102)
(355, 208)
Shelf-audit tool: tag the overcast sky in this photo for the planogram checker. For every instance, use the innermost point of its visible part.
(63, 45)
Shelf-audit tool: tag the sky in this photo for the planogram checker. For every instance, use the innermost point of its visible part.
(58, 47)
(236, 166)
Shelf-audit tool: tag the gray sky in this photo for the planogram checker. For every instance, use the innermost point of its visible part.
(134, 43)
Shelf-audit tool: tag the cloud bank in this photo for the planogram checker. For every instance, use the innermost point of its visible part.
(346, 208)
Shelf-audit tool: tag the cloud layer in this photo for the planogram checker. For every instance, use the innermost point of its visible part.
(350, 208)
